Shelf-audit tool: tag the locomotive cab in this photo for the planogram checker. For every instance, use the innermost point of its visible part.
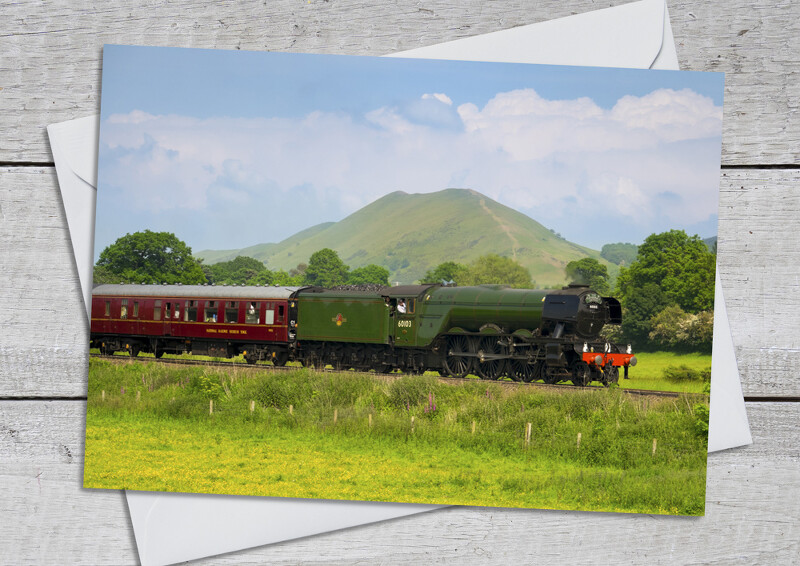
(577, 310)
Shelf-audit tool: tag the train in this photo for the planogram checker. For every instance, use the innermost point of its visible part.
(492, 331)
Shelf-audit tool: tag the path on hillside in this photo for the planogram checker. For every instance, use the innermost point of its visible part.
(505, 228)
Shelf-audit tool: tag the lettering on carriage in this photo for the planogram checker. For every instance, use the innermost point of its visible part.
(225, 331)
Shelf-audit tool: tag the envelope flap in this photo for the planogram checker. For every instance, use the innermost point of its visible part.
(627, 36)
(73, 138)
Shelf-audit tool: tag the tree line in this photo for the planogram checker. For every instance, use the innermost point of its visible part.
(161, 257)
(666, 289)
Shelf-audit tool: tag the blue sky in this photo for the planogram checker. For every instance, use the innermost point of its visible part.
(229, 148)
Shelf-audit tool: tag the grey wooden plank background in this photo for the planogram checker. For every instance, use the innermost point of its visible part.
(50, 71)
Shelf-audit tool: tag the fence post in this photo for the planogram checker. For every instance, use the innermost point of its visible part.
(210, 406)
(579, 440)
(335, 415)
(138, 395)
(103, 395)
(291, 409)
(654, 447)
(370, 420)
(412, 425)
(473, 427)
(528, 435)
(252, 405)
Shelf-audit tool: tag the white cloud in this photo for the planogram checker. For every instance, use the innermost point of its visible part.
(549, 158)
(438, 96)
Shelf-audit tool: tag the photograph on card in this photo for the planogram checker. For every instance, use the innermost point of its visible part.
(422, 281)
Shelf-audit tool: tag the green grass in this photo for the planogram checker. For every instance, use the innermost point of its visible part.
(648, 373)
(149, 427)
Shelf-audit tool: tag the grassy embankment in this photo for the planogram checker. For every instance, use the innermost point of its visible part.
(358, 437)
(648, 373)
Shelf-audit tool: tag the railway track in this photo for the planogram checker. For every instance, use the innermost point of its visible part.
(386, 376)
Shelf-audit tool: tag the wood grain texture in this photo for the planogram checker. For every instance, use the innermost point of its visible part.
(50, 72)
(46, 354)
(750, 516)
(50, 52)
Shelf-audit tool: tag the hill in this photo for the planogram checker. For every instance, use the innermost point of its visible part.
(258, 251)
(411, 233)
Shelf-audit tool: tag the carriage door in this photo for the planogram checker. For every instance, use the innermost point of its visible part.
(405, 327)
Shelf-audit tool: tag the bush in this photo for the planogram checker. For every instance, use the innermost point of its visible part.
(207, 386)
(701, 413)
(681, 373)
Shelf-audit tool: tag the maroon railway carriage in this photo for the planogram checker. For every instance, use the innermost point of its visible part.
(221, 321)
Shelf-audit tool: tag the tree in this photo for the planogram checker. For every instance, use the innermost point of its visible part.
(676, 329)
(369, 274)
(283, 279)
(238, 271)
(446, 272)
(671, 268)
(326, 269)
(150, 257)
(681, 267)
(493, 268)
(589, 271)
(620, 254)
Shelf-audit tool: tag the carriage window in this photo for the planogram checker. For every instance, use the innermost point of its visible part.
(157, 310)
(108, 308)
(280, 313)
(211, 311)
(167, 311)
(123, 311)
(232, 312)
(251, 316)
(269, 315)
(190, 311)
(136, 309)
(177, 314)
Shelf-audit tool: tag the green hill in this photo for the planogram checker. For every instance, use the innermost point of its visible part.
(259, 251)
(411, 233)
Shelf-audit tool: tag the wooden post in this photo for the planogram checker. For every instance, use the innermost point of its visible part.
(654, 446)
(252, 405)
(335, 415)
(370, 420)
(473, 427)
(210, 406)
(579, 440)
(291, 409)
(412, 425)
(528, 435)
(138, 395)
(103, 395)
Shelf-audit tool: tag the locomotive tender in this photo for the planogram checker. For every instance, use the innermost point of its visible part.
(490, 330)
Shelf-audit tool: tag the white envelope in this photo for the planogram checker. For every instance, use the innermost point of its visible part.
(176, 527)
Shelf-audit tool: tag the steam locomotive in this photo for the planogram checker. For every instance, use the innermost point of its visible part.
(489, 330)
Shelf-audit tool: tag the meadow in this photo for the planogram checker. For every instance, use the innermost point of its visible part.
(412, 439)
